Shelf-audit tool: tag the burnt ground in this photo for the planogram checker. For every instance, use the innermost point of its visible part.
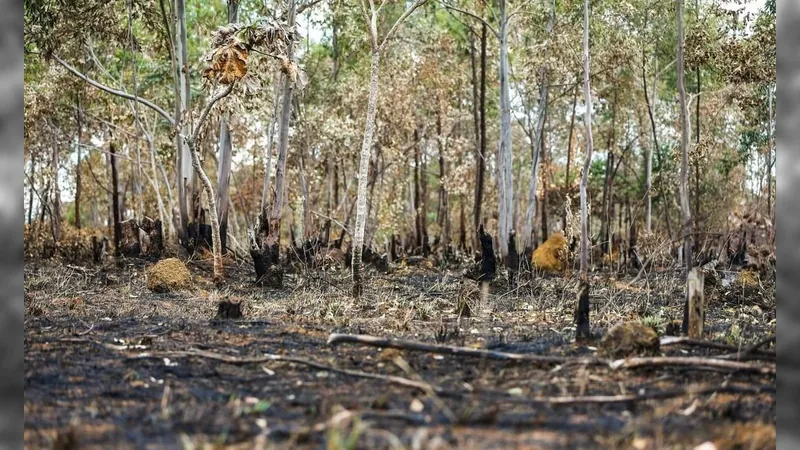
(96, 373)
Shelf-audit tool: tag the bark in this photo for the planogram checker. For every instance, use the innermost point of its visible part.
(582, 310)
(683, 186)
(545, 182)
(266, 247)
(443, 216)
(182, 105)
(270, 141)
(78, 168)
(480, 170)
(223, 180)
(366, 146)
(225, 156)
(115, 198)
(567, 186)
(769, 154)
(505, 152)
(55, 212)
(32, 188)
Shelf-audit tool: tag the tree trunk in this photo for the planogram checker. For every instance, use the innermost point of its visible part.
(270, 140)
(266, 248)
(480, 170)
(32, 188)
(443, 216)
(225, 156)
(545, 182)
(683, 186)
(418, 217)
(582, 310)
(115, 213)
(223, 180)
(769, 155)
(55, 213)
(182, 104)
(529, 235)
(505, 153)
(363, 167)
(567, 186)
(78, 136)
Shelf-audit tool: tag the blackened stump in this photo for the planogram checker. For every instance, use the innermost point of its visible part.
(229, 309)
(582, 331)
(488, 262)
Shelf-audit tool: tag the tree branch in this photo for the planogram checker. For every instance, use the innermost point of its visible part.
(204, 114)
(473, 15)
(305, 6)
(113, 91)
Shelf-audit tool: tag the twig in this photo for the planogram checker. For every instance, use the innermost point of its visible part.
(753, 350)
(694, 362)
(403, 344)
(424, 387)
(429, 388)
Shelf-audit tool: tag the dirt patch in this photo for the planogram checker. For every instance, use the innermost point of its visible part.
(88, 369)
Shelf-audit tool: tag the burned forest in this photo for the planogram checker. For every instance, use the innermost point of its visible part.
(381, 224)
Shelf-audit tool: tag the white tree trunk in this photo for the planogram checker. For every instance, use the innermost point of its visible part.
(363, 170)
(505, 154)
(587, 117)
(270, 142)
(683, 186)
(182, 104)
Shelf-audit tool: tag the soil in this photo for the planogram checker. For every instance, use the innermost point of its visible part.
(96, 377)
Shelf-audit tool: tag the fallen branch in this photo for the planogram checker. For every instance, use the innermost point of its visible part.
(424, 387)
(438, 390)
(694, 362)
(402, 344)
(752, 350)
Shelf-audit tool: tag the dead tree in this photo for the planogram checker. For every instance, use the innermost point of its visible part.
(582, 309)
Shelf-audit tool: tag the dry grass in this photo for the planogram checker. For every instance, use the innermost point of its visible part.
(168, 275)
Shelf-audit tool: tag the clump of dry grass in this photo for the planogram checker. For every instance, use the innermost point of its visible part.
(168, 275)
(552, 254)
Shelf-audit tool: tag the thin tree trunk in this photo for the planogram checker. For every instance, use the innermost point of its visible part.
(505, 152)
(418, 214)
(769, 154)
(444, 216)
(182, 104)
(569, 153)
(32, 188)
(266, 254)
(582, 310)
(366, 147)
(225, 156)
(55, 213)
(115, 207)
(480, 174)
(270, 140)
(683, 186)
(78, 168)
(545, 183)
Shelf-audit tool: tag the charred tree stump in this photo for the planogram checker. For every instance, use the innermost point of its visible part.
(229, 309)
(129, 245)
(488, 262)
(694, 307)
(99, 249)
(153, 242)
(512, 260)
(266, 254)
(582, 330)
